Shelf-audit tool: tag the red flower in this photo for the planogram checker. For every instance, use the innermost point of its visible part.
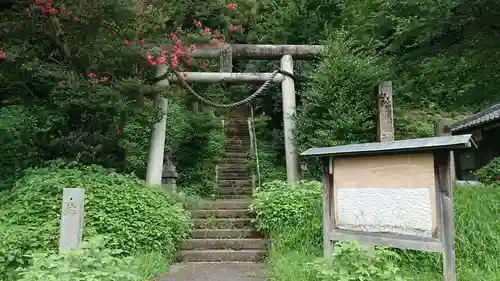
(38, 2)
(2, 55)
(173, 36)
(43, 10)
(198, 24)
(76, 19)
(161, 60)
(214, 41)
(174, 61)
(232, 6)
(59, 84)
(53, 11)
(91, 75)
(207, 30)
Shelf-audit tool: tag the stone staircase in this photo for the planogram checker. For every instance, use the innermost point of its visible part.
(223, 230)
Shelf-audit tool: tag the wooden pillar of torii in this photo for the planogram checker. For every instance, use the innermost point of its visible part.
(285, 53)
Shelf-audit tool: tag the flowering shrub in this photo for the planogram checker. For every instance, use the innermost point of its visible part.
(142, 33)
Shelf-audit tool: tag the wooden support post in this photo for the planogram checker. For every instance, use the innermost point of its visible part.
(72, 214)
(445, 199)
(385, 122)
(443, 129)
(288, 97)
(157, 148)
(328, 207)
(226, 59)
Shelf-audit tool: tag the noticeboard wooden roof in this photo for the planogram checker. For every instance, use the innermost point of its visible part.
(410, 145)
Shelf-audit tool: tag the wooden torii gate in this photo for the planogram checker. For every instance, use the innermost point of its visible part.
(285, 53)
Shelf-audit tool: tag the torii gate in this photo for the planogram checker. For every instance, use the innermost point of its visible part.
(286, 53)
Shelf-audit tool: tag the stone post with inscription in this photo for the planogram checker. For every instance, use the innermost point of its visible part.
(72, 218)
(385, 118)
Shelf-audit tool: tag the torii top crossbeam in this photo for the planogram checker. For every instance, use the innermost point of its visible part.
(260, 52)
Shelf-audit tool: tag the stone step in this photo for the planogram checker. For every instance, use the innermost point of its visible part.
(234, 196)
(237, 145)
(235, 121)
(236, 155)
(225, 233)
(236, 149)
(221, 255)
(236, 191)
(236, 135)
(234, 183)
(224, 204)
(234, 168)
(237, 141)
(234, 176)
(234, 213)
(234, 244)
(225, 223)
(234, 161)
(236, 127)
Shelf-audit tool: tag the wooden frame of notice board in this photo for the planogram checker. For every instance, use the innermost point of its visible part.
(395, 194)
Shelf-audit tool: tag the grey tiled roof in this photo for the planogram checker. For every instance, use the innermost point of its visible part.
(377, 148)
(487, 115)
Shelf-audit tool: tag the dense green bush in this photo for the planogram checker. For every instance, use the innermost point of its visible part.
(490, 173)
(340, 104)
(354, 262)
(278, 204)
(16, 139)
(135, 216)
(91, 261)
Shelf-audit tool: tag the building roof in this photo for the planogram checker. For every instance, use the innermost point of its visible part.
(487, 115)
(378, 148)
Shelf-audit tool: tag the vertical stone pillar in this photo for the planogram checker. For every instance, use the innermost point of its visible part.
(158, 134)
(289, 123)
(385, 118)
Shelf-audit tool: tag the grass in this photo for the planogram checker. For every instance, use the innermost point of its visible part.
(477, 243)
(152, 265)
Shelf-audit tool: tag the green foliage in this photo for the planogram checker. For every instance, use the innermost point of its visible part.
(92, 262)
(271, 164)
(490, 173)
(351, 261)
(18, 150)
(135, 216)
(278, 204)
(340, 105)
(194, 143)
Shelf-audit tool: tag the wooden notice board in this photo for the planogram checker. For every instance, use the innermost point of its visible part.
(394, 193)
(386, 194)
